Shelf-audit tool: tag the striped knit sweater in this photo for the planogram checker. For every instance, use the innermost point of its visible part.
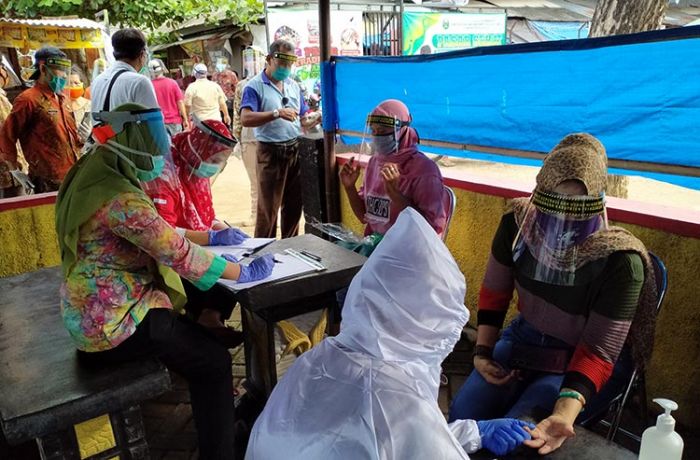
(593, 316)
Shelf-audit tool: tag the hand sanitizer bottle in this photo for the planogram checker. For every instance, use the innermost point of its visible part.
(660, 441)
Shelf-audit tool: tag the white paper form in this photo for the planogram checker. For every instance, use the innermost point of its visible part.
(253, 243)
(288, 266)
(239, 251)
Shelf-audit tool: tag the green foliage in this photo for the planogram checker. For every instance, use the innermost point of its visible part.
(146, 14)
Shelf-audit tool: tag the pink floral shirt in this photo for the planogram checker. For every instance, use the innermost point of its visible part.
(112, 286)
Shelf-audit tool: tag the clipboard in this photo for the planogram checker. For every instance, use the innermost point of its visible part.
(289, 265)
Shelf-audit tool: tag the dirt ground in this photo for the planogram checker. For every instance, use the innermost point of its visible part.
(232, 193)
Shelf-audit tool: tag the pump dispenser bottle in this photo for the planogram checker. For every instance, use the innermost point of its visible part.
(660, 441)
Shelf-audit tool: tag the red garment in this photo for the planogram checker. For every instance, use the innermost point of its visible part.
(183, 199)
(168, 94)
(228, 81)
(40, 121)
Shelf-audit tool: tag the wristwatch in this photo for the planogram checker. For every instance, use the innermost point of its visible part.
(275, 113)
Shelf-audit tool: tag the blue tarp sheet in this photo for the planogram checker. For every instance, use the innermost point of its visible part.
(552, 30)
(639, 94)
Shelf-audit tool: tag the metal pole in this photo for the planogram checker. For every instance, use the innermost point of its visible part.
(329, 163)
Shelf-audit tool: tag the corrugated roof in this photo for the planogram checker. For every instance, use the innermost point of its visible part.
(77, 23)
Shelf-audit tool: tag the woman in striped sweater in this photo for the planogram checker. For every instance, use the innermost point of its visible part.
(584, 290)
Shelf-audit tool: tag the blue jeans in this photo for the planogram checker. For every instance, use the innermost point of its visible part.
(173, 128)
(480, 400)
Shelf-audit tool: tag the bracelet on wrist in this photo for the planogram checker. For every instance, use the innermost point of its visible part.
(483, 351)
(573, 395)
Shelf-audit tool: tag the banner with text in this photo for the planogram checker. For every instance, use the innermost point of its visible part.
(301, 29)
(430, 33)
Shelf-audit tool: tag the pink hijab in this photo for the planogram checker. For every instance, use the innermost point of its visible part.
(420, 180)
(408, 137)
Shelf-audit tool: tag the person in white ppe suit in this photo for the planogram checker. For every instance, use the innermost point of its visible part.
(371, 392)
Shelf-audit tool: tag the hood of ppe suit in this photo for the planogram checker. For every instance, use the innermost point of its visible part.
(369, 393)
(407, 301)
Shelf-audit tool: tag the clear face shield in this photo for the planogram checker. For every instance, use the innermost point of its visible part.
(553, 230)
(210, 149)
(58, 71)
(381, 135)
(149, 159)
(284, 65)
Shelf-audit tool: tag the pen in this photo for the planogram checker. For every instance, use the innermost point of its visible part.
(277, 261)
(229, 225)
(310, 255)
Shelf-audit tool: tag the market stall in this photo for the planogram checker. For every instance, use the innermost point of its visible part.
(83, 40)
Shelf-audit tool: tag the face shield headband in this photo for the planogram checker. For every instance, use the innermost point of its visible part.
(59, 64)
(551, 233)
(385, 143)
(284, 57)
(109, 124)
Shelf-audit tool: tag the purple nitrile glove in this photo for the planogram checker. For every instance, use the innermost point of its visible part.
(231, 258)
(258, 269)
(226, 237)
(503, 435)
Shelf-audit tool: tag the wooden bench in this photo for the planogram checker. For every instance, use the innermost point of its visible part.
(45, 394)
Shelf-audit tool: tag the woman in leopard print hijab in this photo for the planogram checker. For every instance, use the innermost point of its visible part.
(585, 290)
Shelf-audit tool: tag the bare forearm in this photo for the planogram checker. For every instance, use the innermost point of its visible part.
(568, 408)
(183, 110)
(232, 271)
(356, 203)
(251, 119)
(197, 237)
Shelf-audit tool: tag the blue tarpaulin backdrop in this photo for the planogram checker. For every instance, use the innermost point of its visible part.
(639, 94)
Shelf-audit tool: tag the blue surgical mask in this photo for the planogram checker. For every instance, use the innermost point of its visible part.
(144, 175)
(386, 144)
(57, 84)
(281, 73)
(158, 165)
(206, 170)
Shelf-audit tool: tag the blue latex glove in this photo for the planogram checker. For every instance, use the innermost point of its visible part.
(503, 435)
(232, 258)
(226, 237)
(258, 269)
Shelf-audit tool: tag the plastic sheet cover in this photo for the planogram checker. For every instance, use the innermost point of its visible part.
(639, 94)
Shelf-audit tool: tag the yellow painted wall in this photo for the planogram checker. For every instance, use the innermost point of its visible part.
(27, 240)
(674, 372)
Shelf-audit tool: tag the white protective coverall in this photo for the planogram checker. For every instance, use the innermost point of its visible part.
(371, 392)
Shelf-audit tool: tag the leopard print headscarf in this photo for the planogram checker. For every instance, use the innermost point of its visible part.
(582, 157)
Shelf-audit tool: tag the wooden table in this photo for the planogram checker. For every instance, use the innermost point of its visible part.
(43, 389)
(586, 445)
(265, 304)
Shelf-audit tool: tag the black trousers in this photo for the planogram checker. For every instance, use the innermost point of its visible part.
(186, 348)
(279, 189)
(214, 298)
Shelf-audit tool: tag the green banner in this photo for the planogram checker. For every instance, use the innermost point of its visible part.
(430, 33)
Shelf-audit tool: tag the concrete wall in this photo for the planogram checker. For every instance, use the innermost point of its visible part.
(674, 372)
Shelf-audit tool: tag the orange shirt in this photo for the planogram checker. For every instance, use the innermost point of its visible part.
(46, 131)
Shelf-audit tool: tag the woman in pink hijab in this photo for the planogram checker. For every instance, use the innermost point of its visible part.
(397, 176)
